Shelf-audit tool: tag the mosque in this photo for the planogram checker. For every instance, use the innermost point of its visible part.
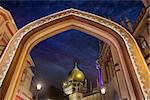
(76, 86)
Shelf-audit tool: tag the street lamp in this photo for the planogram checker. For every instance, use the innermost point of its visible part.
(38, 87)
(103, 90)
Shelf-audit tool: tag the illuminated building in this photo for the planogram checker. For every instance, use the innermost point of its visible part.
(123, 65)
(76, 87)
(111, 71)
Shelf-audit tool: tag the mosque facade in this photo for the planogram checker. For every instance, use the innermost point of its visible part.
(76, 86)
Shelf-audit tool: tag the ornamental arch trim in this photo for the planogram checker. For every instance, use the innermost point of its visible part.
(134, 52)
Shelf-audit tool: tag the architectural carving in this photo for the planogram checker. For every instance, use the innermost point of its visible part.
(24, 89)
(137, 60)
(142, 34)
(8, 28)
(112, 75)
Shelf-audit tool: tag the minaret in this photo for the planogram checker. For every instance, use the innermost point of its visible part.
(97, 82)
(99, 68)
(76, 65)
(85, 84)
(91, 87)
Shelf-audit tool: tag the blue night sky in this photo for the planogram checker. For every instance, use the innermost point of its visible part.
(55, 56)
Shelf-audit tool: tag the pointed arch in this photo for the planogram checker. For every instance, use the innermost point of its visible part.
(23, 41)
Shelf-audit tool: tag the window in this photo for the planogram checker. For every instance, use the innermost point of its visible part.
(144, 47)
(143, 42)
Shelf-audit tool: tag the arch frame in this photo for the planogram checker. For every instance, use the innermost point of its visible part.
(136, 57)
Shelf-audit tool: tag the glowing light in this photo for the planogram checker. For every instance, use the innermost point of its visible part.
(39, 86)
(79, 76)
(64, 84)
(100, 74)
(103, 90)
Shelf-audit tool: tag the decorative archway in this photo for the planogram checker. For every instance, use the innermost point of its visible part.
(132, 62)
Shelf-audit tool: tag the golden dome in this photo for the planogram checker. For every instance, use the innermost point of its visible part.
(76, 75)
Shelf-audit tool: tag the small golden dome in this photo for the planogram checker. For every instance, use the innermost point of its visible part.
(76, 75)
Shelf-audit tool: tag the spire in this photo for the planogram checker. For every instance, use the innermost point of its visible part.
(76, 65)
(129, 25)
(85, 83)
(97, 81)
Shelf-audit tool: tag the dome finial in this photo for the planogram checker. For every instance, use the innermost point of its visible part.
(76, 65)
(76, 74)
